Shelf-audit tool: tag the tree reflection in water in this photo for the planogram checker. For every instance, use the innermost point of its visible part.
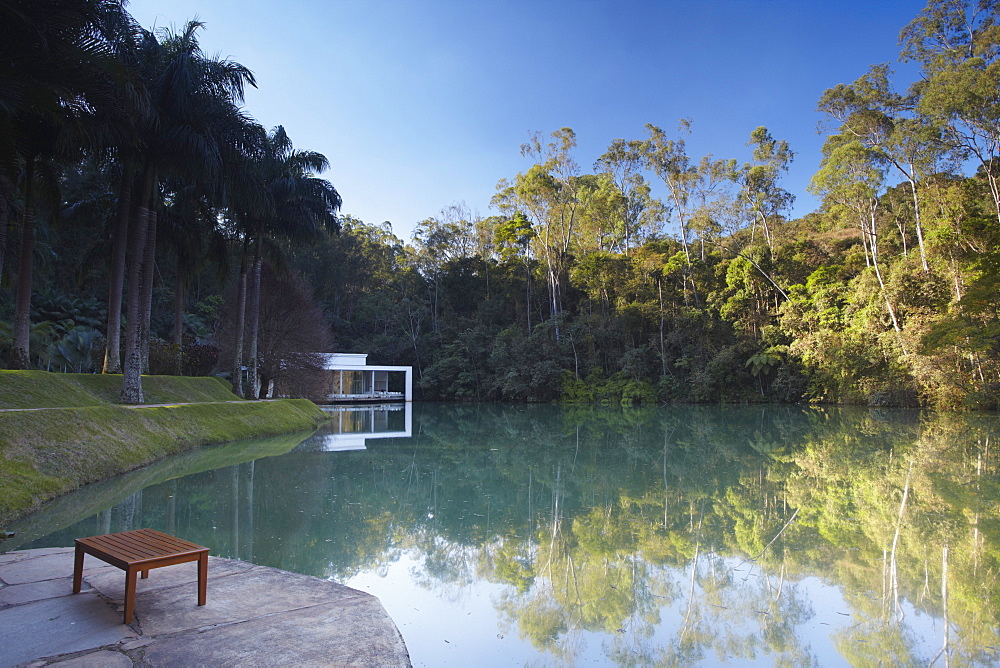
(656, 536)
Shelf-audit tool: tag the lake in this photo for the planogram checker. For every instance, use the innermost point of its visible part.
(565, 535)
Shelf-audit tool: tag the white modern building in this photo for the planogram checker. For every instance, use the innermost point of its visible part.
(353, 379)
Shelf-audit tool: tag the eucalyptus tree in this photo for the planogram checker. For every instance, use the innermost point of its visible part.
(58, 74)
(957, 44)
(512, 238)
(669, 160)
(852, 179)
(887, 123)
(758, 180)
(286, 199)
(438, 240)
(635, 212)
(713, 198)
(693, 189)
(192, 123)
(550, 193)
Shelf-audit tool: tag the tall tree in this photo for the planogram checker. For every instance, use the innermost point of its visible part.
(852, 179)
(957, 43)
(886, 122)
(691, 188)
(759, 189)
(550, 193)
(58, 72)
(635, 212)
(293, 202)
(193, 116)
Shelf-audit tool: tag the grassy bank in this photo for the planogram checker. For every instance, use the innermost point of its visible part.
(87, 501)
(44, 453)
(39, 389)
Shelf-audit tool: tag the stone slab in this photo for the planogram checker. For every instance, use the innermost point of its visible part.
(100, 659)
(111, 582)
(257, 592)
(37, 591)
(48, 565)
(325, 634)
(30, 554)
(255, 616)
(58, 626)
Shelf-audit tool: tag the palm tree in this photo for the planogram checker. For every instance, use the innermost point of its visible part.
(294, 203)
(193, 123)
(59, 73)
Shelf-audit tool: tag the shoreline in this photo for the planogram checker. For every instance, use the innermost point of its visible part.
(47, 453)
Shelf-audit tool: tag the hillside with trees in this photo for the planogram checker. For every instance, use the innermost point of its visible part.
(148, 223)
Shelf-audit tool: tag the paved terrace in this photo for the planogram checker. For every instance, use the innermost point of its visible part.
(255, 615)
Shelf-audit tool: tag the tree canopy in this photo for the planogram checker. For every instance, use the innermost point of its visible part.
(131, 176)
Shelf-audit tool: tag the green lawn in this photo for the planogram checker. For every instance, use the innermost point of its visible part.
(41, 389)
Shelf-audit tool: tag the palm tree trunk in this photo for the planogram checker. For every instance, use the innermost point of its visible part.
(148, 267)
(19, 354)
(180, 298)
(254, 318)
(112, 350)
(4, 212)
(241, 309)
(132, 369)
(180, 294)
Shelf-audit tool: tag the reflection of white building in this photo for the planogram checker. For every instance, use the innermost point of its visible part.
(353, 379)
(351, 426)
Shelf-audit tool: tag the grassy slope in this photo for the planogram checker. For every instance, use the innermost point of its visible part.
(38, 389)
(90, 499)
(50, 452)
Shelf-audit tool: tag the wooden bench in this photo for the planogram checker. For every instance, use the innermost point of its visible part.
(137, 552)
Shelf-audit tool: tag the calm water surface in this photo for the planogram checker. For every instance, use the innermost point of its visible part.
(543, 535)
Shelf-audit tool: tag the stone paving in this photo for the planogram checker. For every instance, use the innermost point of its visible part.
(255, 616)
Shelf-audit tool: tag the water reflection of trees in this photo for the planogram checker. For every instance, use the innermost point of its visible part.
(678, 535)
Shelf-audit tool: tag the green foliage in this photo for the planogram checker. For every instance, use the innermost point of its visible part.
(74, 353)
(614, 390)
(884, 295)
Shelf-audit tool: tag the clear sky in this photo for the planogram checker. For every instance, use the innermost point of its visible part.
(419, 104)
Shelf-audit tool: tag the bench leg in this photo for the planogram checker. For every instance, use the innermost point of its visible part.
(202, 578)
(78, 569)
(145, 574)
(129, 594)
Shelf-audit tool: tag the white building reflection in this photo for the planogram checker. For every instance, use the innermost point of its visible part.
(353, 425)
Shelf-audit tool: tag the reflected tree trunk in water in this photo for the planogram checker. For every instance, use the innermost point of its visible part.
(132, 512)
(944, 602)
(685, 625)
(172, 508)
(555, 520)
(781, 583)
(248, 533)
(666, 485)
(104, 521)
(234, 519)
(893, 566)
(944, 610)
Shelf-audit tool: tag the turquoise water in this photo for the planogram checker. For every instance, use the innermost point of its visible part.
(546, 535)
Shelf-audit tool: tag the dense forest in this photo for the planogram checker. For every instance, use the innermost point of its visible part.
(149, 224)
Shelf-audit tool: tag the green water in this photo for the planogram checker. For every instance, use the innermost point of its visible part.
(544, 535)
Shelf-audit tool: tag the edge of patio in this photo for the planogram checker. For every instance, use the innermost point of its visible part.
(254, 615)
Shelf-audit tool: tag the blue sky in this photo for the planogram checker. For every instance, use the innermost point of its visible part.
(420, 104)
